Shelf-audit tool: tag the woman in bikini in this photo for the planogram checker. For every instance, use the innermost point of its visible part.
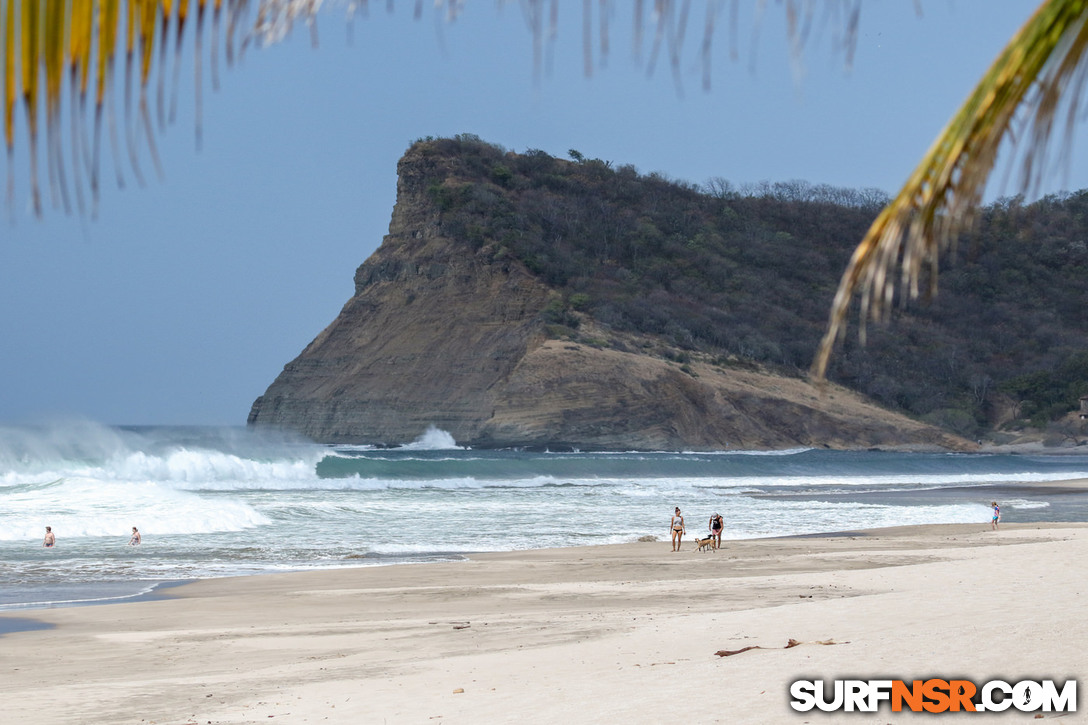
(677, 527)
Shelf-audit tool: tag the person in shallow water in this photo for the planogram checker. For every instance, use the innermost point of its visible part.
(135, 539)
(49, 538)
(677, 527)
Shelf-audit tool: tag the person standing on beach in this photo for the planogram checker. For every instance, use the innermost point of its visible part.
(716, 526)
(49, 538)
(677, 527)
(135, 540)
(997, 515)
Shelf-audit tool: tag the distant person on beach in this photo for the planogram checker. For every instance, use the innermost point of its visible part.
(135, 540)
(997, 515)
(49, 538)
(677, 527)
(716, 525)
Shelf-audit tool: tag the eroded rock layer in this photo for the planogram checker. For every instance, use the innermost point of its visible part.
(452, 332)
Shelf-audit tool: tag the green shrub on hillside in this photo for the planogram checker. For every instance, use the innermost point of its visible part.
(745, 275)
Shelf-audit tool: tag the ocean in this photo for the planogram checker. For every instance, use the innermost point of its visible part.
(213, 502)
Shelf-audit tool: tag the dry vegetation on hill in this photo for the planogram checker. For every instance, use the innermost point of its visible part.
(746, 276)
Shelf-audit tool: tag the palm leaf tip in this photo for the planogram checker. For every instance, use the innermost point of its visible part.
(940, 199)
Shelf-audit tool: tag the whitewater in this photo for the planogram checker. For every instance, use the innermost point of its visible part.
(214, 502)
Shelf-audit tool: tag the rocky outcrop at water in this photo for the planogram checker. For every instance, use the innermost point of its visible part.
(447, 328)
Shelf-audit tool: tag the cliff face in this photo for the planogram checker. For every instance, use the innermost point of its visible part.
(453, 333)
(564, 394)
(432, 331)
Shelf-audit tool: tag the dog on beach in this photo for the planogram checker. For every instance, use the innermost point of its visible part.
(706, 544)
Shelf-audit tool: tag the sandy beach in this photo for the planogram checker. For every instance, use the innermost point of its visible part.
(577, 635)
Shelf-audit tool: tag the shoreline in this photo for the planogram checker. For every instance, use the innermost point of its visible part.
(576, 634)
(148, 589)
(149, 592)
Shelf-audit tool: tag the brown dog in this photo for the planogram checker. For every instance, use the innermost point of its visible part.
(706, 544)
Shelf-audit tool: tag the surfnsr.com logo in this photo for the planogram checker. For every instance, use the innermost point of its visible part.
(934, 695)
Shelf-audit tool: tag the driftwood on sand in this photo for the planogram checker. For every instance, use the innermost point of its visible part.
(791, 643)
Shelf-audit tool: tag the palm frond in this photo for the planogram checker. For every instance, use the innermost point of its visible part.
(10, 90)
(940, 198)
(42, 38)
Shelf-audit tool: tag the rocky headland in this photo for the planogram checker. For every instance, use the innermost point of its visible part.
(449, 328)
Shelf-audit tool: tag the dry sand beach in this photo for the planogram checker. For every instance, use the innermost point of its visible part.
(622, 633)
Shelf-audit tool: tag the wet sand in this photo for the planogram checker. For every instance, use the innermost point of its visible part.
(574, 635)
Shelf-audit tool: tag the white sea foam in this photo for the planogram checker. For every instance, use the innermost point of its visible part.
(1019, 503)
(92, 507)
(902, 481)
(468, 483)
(433, 439)
(217, 459)
(225, 502)
(782, 452)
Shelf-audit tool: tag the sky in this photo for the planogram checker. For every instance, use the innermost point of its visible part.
(181, 302)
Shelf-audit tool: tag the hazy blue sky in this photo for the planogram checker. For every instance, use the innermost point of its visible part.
(183, 301)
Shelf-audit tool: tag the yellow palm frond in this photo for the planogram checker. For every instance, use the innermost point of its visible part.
(30, 14)
(940, 198)
(10, 88)
(42, 37)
